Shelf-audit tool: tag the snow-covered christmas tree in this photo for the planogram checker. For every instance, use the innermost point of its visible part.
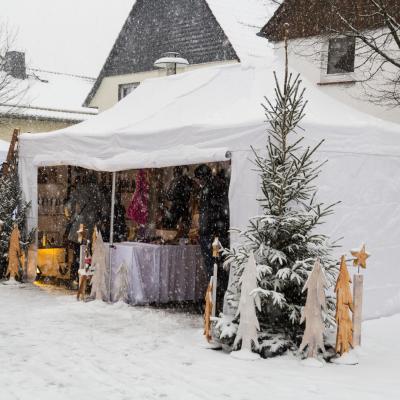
(122, 284)
(100, 277)
(13, 210)
(284, 238)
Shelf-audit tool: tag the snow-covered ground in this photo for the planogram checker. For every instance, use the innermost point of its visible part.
(52, 347)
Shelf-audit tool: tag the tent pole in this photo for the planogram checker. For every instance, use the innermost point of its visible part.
(111, 242)
(112, 208)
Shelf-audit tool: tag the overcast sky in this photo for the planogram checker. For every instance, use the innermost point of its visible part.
(73, 36)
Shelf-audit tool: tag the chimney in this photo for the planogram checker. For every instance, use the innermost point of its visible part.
(14, 64)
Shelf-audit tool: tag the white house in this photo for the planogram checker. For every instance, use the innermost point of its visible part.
(203, 32)
(35, 100)
(322, 49)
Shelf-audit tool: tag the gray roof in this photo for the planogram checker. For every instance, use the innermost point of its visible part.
(154, 27)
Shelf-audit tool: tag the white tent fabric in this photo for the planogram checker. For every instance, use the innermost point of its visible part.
(3, 150)
(199, 116)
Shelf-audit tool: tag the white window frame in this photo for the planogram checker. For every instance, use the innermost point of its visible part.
(343, 77)
(123, 86)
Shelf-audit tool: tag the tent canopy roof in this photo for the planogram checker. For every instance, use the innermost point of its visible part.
(167, 121)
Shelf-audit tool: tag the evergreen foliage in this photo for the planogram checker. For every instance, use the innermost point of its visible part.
(13, 210)
(283, 238)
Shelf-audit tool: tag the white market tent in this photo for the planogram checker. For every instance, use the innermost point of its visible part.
(200, 116)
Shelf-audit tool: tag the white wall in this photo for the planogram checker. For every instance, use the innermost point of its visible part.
(309, 58)
(107, 93)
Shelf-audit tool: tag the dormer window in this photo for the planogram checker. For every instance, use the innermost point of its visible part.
(341, 54)
(126, 88)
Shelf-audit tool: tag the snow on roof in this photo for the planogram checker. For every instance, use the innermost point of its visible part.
(50, 95)
(215, 99)
(241, 20)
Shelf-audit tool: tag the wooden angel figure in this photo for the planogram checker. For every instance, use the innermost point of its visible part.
(344, 304)
(14, 254)
(313, 337)
(248, 324)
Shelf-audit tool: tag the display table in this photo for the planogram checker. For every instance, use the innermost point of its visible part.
(160, 273)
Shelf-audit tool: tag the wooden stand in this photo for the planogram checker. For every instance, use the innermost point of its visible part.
(208, 312)
(11, 160)
(82, 278)
(214, 289)
(216, 245)
(358, 281)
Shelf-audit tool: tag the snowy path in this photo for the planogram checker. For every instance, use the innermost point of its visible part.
(52, 347)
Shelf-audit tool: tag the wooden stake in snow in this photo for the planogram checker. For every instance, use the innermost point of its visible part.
(344, 303)
(216, 247)
(208, 311)
(358, 282)
(313, 337)
(360, 260)
(248, 325)
(14, 253)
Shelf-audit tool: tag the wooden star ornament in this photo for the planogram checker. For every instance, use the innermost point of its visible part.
(360, 257)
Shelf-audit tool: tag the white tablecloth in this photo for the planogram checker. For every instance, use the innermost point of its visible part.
(160, 273)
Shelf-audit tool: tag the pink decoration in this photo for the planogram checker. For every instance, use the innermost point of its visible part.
(138, 210)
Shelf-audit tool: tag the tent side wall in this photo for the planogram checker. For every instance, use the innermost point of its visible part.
(28, 181)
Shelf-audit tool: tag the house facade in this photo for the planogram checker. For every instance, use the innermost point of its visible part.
(320, 48)
(40, 101)
(156, 27)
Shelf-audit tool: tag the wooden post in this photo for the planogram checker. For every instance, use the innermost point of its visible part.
(214, 289)
(216, 245)
(10, 161)
(358, 281)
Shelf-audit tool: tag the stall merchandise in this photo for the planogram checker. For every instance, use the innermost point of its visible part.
(159, 273)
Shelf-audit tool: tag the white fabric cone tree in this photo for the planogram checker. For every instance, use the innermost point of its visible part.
(99, 261)
(122, 284)
(248, 325)
(313, 338)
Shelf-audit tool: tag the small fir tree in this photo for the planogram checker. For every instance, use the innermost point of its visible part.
(283, 238)
(344, 304)
(248, 326)
(311, 314)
